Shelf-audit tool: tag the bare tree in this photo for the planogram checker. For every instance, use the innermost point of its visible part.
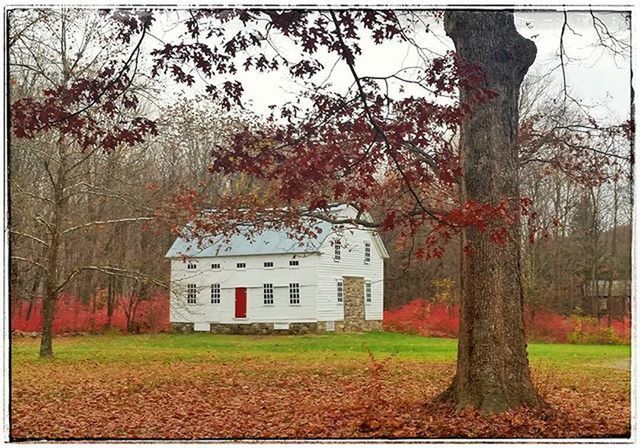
(49, 185)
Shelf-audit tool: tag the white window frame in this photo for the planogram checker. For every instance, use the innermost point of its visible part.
(267, 294)
(192, 293)
(337, 251)
(340, 291)
(294, 294)
(192, 265)
(368, 293)
(215, 293)
(367, 252)
(243, 267)
(215, 266)
(270, 264)
(294, 263)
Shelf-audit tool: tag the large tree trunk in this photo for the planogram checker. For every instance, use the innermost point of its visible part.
(32, 298)
(111, 300)
(50, 294)
(493, 370)
(48, 310)
(612, 259)
(52, 270)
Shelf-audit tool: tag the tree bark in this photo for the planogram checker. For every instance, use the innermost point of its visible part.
(111, 300)
(612, 259)
(52, 272)
(492, 370)
(32, 298)
(51, 286)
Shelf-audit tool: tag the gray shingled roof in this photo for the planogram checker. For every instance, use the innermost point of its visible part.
(263, 243)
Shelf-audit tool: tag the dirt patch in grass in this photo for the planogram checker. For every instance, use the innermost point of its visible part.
(255, 398)
(623, 364)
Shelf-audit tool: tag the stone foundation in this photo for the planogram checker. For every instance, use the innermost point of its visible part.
(303, 328)
(181, 327)
(365, 325)
(267, 328)
(294, 328)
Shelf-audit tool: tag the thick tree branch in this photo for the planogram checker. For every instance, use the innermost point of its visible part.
(34, 238)
(114, 271)
(348, 57)
(26, 260)
(109, 221)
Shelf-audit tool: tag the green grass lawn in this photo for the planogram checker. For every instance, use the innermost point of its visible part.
(201, 347)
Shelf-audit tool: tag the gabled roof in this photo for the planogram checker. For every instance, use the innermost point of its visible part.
(377, 242)
(266, 242)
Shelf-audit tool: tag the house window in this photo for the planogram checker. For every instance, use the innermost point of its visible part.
(340, 292)
(192, 265)
(367, 292)
(215, 293)
(337, 250)
(267, 293)
(294, 293)
(215, 266)
(192, 293)
(241, 265)
(268, 264)
(294, 263)
(367, 252)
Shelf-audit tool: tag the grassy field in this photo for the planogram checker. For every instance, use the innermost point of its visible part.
(209, 386)
(204, 347)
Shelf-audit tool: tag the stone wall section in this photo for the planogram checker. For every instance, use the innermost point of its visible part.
(354, 317)
(354, 308)
(294, 328)
(367, 325)
(265, 328)
(181, 327)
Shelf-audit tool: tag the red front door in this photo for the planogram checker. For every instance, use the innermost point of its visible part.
(241, 302)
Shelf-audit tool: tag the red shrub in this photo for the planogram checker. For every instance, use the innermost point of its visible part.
(407, 319)
(548, 326)
(426, 319)
(623, 329)
(435, 319)
(72, 315)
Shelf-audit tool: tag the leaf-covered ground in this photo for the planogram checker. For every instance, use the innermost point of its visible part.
(211, 387)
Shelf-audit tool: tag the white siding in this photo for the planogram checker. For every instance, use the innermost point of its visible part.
(351, 264)
(253, 278)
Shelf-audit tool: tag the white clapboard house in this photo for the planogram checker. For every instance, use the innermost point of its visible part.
(273, 282)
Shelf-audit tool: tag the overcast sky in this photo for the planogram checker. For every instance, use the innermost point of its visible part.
(593, 75)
